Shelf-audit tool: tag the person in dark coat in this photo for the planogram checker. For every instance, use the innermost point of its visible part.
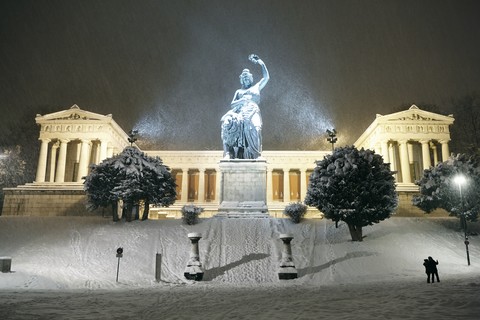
(433, 269)
(428, 270)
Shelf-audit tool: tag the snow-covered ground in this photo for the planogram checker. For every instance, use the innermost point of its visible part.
(65, 268)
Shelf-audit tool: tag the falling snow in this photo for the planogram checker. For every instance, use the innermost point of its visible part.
(170, 68)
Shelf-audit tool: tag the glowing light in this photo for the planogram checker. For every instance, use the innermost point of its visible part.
(460, 180)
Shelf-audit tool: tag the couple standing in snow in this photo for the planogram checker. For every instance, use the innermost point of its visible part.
(431, 269)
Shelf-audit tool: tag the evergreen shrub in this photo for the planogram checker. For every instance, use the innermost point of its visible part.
(190, 213)
(295, 211)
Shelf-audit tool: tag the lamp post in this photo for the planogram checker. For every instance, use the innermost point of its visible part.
(460, 180)
(119, 255)
(332, 137)
(132, 136)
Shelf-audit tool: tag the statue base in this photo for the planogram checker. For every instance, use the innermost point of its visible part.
(243, 186)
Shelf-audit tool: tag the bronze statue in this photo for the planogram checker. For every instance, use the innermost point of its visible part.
(242, 124)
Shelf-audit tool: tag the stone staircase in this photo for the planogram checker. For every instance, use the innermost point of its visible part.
(242, 209)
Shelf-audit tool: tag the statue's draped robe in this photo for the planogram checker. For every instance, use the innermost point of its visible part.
(241, 126)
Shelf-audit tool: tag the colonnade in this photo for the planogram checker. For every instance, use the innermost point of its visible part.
(193, 185)
(407, 155)
(203, 184)
(68, 160)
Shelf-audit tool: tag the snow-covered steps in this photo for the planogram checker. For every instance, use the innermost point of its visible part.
(242, 209)
(245, 215)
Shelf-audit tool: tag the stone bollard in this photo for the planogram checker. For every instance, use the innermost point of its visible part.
(287, 269)
(5, 264)
(194, 270)
(158, 267)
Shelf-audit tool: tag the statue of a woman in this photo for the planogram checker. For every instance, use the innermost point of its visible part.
(242, 125)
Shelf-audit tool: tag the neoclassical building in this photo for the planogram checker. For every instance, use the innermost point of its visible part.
(411, 141)
(73, 139)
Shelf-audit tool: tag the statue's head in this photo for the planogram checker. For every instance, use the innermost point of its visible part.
(246, 78)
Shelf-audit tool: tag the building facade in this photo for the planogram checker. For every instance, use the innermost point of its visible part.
(411, 141)
(73, 139)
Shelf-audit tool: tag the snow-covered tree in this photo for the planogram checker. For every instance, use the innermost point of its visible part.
(132, 177)
(439, 190)
(354, 186)
(23, 132)
(466, 134)
(12, 170)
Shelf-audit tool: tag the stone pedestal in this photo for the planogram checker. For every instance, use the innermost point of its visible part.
(287, 269)
(194, 270)
(243, 189)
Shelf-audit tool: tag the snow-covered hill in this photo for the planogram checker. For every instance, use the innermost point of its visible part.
(75, 257)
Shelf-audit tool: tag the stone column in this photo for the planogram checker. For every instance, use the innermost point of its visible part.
(435, 154)
(269, 185)
(303, 184)
(62, 159)
(201, 185)
(84, 157)
(184, 185)
(385, 154)
(77, 154)
(95, 149)
(53, 161)
(393, 160)
(404, 163)
(410, 152)
(427, 162)
(218, 176)
(286, 185)
(109, 151)
(103, 150)
(42, 161)
(445, 150)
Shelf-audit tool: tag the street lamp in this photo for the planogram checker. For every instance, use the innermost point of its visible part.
(132, 136)
(332, 137)
(460, 180)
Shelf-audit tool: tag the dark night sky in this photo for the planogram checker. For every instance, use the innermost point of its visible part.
(170, 68)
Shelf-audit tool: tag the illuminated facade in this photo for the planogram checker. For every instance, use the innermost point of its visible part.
(198, 179)
(411, 141)
(71, 140)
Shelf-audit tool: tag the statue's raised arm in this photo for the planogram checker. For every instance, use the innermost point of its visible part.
(242, 125)
(266, 76)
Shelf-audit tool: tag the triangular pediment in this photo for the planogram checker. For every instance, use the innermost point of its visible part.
(73, 114)
(416, 114)
(407, 122)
